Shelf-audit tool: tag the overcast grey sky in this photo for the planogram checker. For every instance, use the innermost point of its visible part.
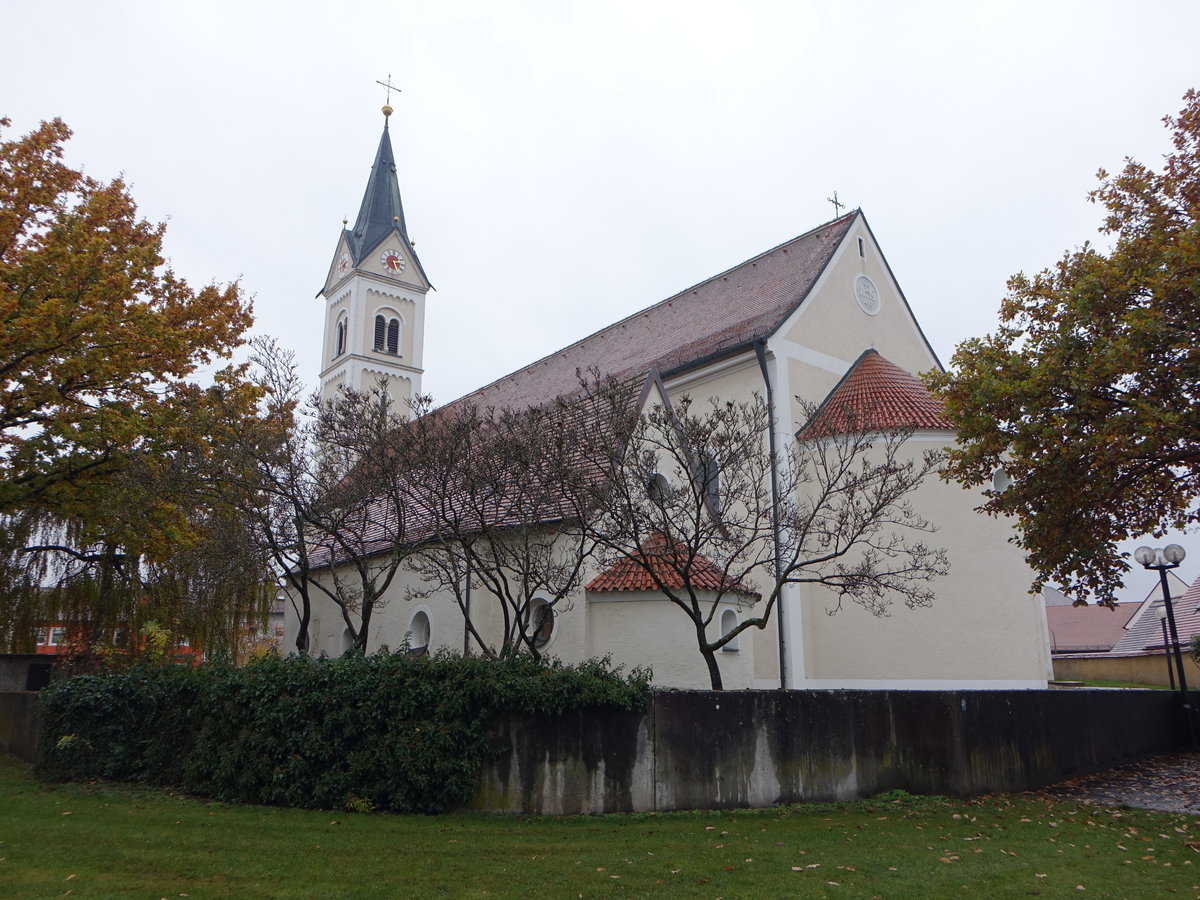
(565, 164)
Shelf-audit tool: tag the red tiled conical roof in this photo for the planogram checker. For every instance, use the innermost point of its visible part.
(876, 395)
(629, 574)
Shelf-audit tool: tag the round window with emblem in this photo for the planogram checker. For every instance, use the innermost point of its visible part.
(867, 295)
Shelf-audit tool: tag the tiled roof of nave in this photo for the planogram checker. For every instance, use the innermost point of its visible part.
(728, 311)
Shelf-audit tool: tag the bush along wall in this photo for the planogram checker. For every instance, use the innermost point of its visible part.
(388, 731)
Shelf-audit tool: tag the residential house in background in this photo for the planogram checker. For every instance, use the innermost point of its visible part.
(1128, 644)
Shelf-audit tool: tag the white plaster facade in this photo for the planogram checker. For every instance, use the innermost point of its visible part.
(984, 629)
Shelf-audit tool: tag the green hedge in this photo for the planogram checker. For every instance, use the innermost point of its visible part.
(388, 731)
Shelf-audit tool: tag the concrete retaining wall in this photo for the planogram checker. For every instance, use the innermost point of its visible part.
(19, 725)
(700, 749)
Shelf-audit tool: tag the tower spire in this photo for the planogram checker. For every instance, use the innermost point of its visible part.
(381, 209)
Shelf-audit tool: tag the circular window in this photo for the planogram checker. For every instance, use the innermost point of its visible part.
(542, 619)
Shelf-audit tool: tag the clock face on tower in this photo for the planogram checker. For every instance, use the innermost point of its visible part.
(343, 264)
(392, 262)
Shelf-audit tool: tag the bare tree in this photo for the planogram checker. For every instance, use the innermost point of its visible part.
(494, 510)
(687, 498)
(322, 484)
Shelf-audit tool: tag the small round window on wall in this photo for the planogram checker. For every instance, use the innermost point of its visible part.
(867, 295)
(418, 633)
(542, 621)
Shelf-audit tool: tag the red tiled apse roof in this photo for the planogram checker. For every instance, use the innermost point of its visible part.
(876, 395)
(631, 575)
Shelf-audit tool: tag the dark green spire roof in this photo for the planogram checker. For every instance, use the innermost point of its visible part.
(381, 210)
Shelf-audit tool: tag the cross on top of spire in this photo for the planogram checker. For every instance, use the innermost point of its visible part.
(390, 87)
(837, 204)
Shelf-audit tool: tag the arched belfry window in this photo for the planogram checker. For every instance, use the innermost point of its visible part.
(387, 334)
(339, 339)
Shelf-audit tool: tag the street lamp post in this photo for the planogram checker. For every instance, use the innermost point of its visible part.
(1162, 621)
(1161, 559)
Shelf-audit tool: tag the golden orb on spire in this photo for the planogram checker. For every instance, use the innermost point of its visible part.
(387, 110)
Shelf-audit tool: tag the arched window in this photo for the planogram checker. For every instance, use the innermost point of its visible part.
(418, 633)
(387, 334)
(347, 641)
(339, 339)
(729, 621)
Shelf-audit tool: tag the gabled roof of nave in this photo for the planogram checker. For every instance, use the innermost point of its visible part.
(725, 313)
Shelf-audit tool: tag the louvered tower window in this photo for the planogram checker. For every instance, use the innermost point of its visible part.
(387, 335)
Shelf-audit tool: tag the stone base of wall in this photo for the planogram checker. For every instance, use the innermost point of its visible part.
(698, 749)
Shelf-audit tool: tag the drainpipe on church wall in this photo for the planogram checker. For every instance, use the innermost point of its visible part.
(760, 352)
(467, 617)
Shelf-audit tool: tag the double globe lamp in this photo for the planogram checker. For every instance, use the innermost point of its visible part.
(1161, 559)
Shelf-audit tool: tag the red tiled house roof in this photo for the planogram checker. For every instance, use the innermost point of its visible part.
(629, 574)
(726, 313)
(876, 395)
(1144, 636)
(1088, 629)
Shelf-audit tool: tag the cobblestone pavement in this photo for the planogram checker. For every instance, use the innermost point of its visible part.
(1170, 782)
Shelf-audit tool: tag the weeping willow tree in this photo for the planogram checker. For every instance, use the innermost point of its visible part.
(107, 523)
(200, 582)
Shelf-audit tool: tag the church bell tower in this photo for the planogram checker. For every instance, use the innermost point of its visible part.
(374, 295)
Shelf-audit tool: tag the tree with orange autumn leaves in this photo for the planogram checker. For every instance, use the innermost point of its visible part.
(102, 420)
(1087, 394)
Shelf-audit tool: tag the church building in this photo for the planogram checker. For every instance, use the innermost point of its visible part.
(818, 319)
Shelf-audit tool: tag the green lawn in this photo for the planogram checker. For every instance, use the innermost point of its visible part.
(112, 841)
(1136, 685)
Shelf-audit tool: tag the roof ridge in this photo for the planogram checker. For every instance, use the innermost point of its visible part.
(624, 321)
